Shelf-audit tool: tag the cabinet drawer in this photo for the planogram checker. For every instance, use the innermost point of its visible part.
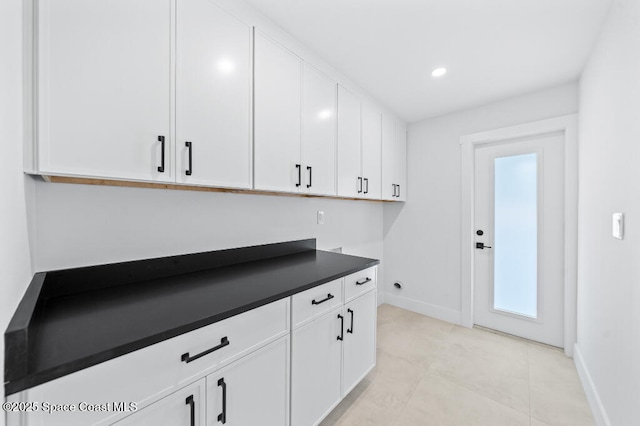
(316, 301)
(153, 372)
(206, 349)
(360, 282)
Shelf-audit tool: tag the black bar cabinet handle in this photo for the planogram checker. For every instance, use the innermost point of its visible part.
(189, 146)
(161, 167)
(363, 281)
(190, 401)
(341, 336)
(350, 330)
(366, 181)
(329, 297)
(359, 185)
(398, 191)
(223, 342)
(309, 184)
(222, 417)
(299, 174)
(394, 189)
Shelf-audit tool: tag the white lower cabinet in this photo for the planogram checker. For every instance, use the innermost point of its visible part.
(330, 356)
(315, 369)
(185, 407)
(253, 390)
(359, 348)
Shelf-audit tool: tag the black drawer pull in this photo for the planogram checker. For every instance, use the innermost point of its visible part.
(161, 167)
(350, 330)
(363, 281)
(189, 146)
(192, 403)
(394, 189)
(317, 302)
(359, 185)
(223, 342)
(299, 174)
(366, 186)
(222, 417)
(310, 171)
(341, 336)
(398, 191)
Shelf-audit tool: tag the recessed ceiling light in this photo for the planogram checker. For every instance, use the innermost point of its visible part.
(438, 72)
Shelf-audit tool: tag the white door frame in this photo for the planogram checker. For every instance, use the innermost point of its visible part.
(568, 125)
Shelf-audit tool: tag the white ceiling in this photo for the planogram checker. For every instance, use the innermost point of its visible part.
(493, 49)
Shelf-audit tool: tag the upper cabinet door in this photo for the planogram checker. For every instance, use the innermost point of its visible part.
(278, 84)
(104, 89)
(401, 162)
(371, 152)
(213, 109)
(350, 182)
(388, 158)
(319, 133)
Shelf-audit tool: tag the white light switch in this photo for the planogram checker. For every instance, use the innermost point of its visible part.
(618, 226)
(320, 217)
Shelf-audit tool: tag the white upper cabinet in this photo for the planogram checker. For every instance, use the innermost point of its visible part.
(104, 89)
(277, 119)
(401, 162)
(213, 97)
(350, 182)
(318, 133)
(371, 152)
(394, 160)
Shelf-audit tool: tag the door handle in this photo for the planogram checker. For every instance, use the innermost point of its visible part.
(350, 330)
(222, 417)
(161, 167)
(299, 167)
(189, 170)
(359, 185)
(366, 185)
(481, 246)
(341, 336)
(192, 409)
(310, 171)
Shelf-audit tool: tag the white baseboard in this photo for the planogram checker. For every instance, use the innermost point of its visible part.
(599, 413)
(434, 311)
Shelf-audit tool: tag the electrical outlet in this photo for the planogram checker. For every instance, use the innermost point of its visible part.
(320, 217)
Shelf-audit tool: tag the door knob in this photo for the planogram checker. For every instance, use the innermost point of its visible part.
(481, 246)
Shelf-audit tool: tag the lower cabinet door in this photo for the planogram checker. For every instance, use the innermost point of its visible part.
(252, 390)
(316, 368)
(360, 340)
(185, 407)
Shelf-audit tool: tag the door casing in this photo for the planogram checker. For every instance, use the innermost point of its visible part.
(568, 125)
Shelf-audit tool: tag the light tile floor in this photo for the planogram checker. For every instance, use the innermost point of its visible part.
(430, 372)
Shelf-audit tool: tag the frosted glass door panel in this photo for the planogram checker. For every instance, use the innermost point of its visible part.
(516, 235)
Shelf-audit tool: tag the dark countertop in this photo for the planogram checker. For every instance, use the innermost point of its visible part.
(62, 326)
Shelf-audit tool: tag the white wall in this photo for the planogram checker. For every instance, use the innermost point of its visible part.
(15, 189)
(609, 269)
(422, 237)
(84, 225)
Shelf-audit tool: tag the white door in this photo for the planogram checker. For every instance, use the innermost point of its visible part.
(359, 341)
(371, 151)
(277, 122)
(349, 166)
(213, 91)
(185, 407)
(104, 89)
(519, 238)
(318, 133)
(252, 390)
(316, 368)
